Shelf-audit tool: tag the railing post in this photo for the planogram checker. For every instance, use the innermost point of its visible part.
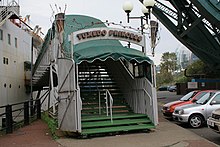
(9, 120)
(106, 102)
(99, 103)
(38, 109)
(26, 113)
(32, 107)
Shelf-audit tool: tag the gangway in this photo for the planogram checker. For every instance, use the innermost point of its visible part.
(76, 71)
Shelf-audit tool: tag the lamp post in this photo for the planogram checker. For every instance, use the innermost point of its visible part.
(149, 5)
(146, 9)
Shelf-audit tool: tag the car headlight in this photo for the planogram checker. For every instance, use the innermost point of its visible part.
(181, 111)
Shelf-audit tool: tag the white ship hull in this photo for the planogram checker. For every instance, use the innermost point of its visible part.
(12, 73)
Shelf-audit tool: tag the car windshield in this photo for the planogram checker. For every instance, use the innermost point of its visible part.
(188, 96)
(199, 95)
(205, 98)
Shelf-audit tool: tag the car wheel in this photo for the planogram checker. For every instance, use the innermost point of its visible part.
(196, 121)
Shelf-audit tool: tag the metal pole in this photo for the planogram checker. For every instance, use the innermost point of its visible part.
(38, 109)
(31, 98)
(26, 113)
(99, 104)
(48, 102)
(106, 102)
(111, 101)
(32, 46)
(128, 16)
(9, 120)
(142, 30)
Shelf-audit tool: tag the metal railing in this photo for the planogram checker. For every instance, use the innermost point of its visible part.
(20, 114)
(109, 103)
(7, 11)
(170, 12)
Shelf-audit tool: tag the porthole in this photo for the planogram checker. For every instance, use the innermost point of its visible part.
(19, 86)
(10, 86)
(5, 85)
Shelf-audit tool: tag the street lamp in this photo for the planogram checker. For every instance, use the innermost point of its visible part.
(146, 9)
(149, 5)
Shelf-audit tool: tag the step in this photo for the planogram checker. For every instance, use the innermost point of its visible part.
(96, 104)
(94, 87)
(97, 83)
(94, 76)
(104, 117)
(115, 123)
(103, 107)
(117, 129)
(103, 92)
(115, 110)
(96, 90)
(99, 73)
(98, 80)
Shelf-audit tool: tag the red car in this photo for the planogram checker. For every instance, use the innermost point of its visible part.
(189, 98)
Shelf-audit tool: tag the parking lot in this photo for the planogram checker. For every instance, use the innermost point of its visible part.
(166, 96)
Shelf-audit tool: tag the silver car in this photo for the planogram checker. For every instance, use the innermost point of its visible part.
(213, 122)
(197, 113)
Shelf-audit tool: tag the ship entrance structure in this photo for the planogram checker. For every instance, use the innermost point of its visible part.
(100, 85)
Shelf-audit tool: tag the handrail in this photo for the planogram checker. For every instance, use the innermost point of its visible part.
(128, 71)
(110, 104)
(148, 96)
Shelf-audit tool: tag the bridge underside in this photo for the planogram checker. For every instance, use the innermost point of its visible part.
(195, 23)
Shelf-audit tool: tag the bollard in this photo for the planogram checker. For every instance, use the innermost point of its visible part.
(32, 107)
(38, 109)
(9, 120)
(26, 113)
(3, 122)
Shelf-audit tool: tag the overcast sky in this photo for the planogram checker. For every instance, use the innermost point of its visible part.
(41, 13)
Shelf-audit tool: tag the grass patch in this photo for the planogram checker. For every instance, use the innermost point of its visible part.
(52, 124)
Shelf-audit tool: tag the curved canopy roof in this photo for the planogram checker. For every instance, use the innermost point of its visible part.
(97, 49)
(103, 52)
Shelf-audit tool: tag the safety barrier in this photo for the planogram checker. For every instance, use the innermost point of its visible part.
(13, 116)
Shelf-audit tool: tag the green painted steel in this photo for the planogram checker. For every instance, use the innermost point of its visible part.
(210, 9)
(191, 30)
(118, 129)
(114, 123)
(119, 116)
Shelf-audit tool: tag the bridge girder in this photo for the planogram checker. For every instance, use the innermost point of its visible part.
(191, 24)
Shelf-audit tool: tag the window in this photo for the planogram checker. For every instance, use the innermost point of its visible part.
(5, 60)
(1, 34)
(16, 42)
(9, 39)
(216, 100)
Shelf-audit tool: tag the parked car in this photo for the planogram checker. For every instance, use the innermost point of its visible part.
(197, 113)
(213, 122)
(189, 98)
(168, 108)
(163, 88)
(172, 88)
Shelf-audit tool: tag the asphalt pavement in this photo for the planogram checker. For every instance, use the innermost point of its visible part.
(205, 132)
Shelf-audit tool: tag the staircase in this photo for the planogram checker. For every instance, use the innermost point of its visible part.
(8, 11)
(94, 80)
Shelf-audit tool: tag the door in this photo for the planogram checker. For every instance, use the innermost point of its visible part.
(213, 105)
